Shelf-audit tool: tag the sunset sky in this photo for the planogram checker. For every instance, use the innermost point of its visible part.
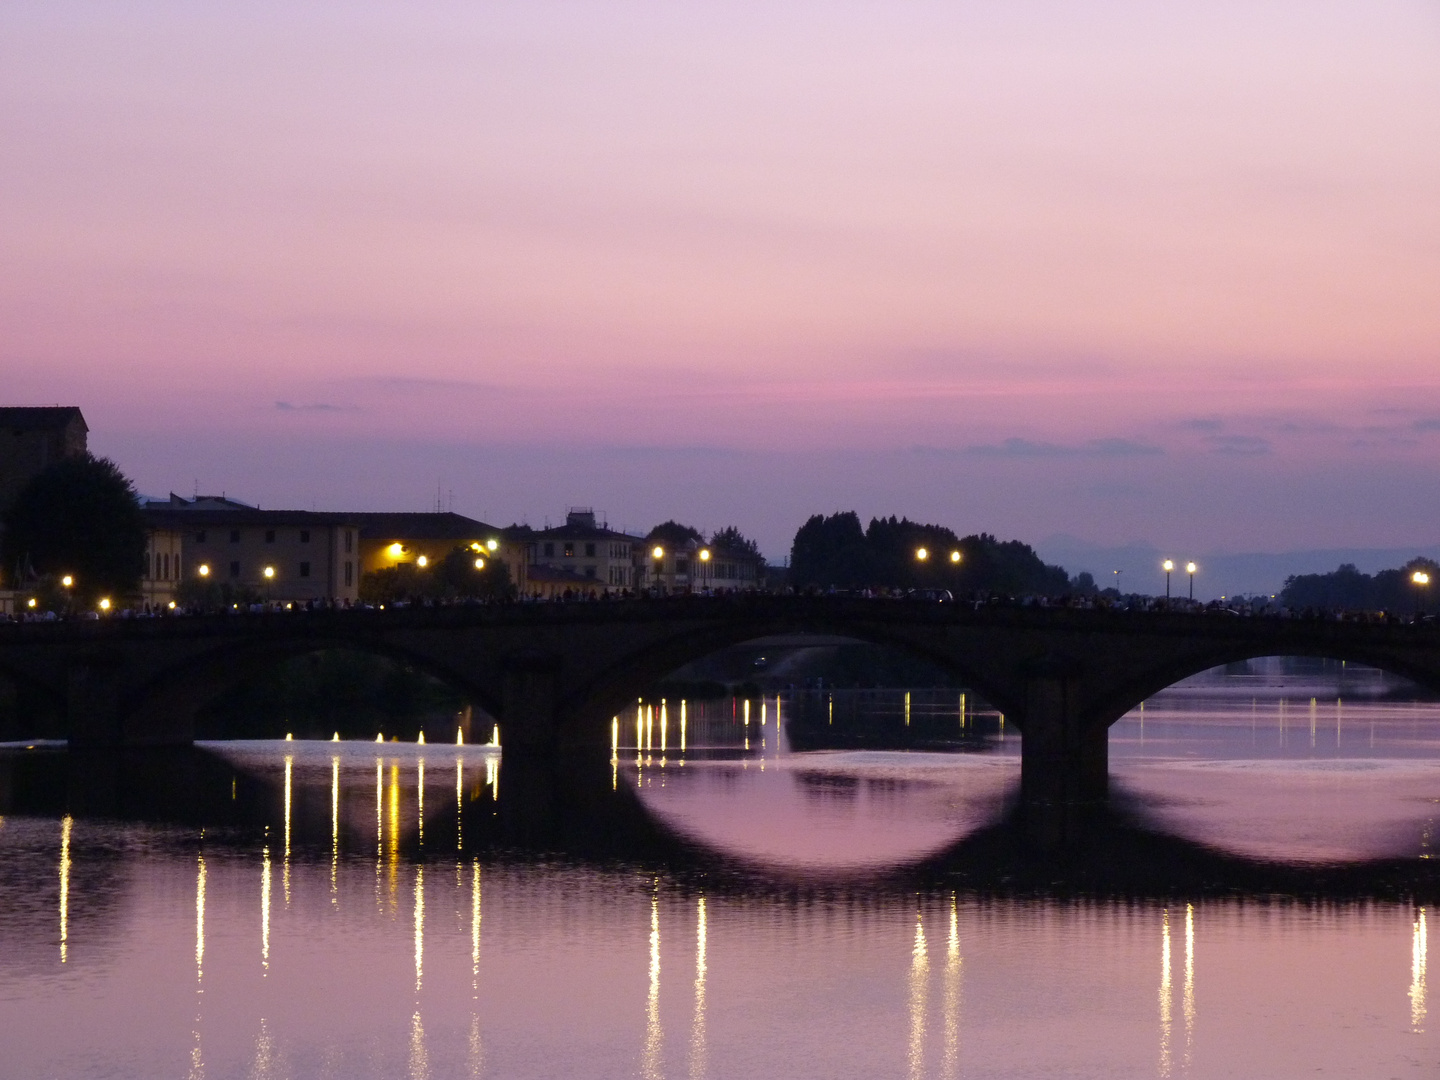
(1123, 270)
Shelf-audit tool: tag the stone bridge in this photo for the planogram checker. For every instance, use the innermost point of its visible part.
(554, 674)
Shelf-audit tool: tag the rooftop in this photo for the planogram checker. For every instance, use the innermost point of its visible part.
(40, 417)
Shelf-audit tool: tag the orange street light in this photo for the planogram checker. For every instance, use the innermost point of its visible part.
(269, 572)
(204, 570)
(422, 562)
(954, 556)
(479, 564)
(67, 581)
(922, 554)
(105, 604)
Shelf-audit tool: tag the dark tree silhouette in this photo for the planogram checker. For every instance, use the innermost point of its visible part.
(80, 517)
(672, 532)
(732, 539)
(1347, 588)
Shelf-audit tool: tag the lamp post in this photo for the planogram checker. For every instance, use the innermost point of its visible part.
(1117, 583)
(1190, 569)
(1420, 579)
(658, 554)
(705, 566)
(1167, 566)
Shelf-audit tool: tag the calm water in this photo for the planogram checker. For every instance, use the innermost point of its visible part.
(344, 910)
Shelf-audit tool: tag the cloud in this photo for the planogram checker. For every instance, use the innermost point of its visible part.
(1431, 423)
(1238, 445)
(1027, 448)
(314, 407)
(1203, 423)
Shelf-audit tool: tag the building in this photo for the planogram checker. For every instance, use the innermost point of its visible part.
(280, 555)
(33, 438)
(582, 550)
(696, 567)
(397, 539)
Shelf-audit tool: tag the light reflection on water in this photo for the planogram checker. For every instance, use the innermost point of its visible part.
(144, 950)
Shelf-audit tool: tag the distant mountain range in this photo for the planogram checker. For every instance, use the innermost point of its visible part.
(1217, 574)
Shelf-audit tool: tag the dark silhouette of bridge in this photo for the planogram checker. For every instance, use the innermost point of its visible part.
(553, 675)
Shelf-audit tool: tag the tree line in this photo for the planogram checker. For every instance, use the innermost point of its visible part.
(1347, 587)
(836, 552)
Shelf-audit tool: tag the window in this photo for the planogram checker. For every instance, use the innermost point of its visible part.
(549, 551)
(349, 571)
(269, 536)
(349, 540)
(147, 564)
(589, 551)
(304, 536)
(590, 571)
(165, 567)
(682, 566)
(234, 536)
(235, 569)
(569, 551)
(304, 569)
(200, 537)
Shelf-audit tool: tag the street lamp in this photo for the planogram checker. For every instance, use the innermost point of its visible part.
(422, 562)
(479, 564)
(67, 581)
(1190, 569)
(1117, 582)
(1167, 566)
(705, 565)
(658, 554)
(269, 572)
(204, 570)
(954, 556)
(1420, 579)
(105, 604)
(921, 554)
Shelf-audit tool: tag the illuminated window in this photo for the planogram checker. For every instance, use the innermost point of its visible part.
(569, 551)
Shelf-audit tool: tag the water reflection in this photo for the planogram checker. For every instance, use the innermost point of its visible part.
(265, 908)
(698, 1063)
(650, 1063)
(1165, 993)
(952, 989)
(1418, 956)
(919, 986)
(66, 824)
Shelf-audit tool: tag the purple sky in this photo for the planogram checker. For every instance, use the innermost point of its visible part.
(1128, 271)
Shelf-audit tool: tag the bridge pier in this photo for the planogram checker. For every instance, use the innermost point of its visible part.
(1064, 762)
(92, 701)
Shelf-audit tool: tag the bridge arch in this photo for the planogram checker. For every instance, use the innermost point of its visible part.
(169, 699)
(1167, 673)
(587, 709)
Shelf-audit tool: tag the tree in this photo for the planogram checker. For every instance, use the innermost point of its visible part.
(80, 517)
(732, 539)
(672, 532)
(830, 551)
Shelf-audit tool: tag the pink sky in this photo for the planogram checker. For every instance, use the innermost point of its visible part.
(1099, 268)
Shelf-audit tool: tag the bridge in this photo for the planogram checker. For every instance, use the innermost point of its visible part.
(553, 675)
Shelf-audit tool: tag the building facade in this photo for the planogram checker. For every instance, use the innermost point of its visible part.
(271, 555)
(583, 550)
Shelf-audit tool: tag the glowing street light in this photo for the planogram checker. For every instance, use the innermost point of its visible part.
(954, 556)
(422, 562)
(269, 572)
(1167, 566)
(31, 602)
(204, 570)
(395, 550)
(1420, 579)
(493, 545)
(105, 604)
(67, 581)
(1190, 569)
(704, 554)
(921, 554)
(479, 564)
(658, 554)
